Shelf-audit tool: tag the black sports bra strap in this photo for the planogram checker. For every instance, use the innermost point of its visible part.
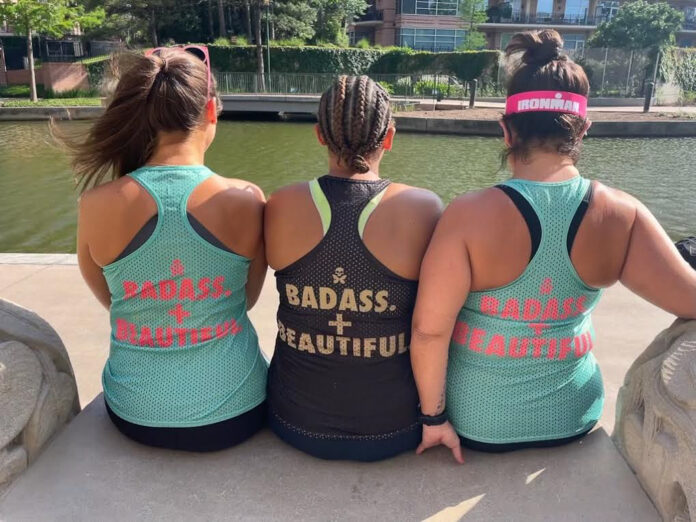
(529, 215)
(579, 216)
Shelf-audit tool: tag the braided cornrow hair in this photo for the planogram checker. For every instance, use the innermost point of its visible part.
(354, 116)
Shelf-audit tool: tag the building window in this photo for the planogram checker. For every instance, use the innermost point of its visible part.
(428, 7)
(573, 43)
(606, 10)
(544, 9)
(435, 40)
(576, 10)
(505, 40)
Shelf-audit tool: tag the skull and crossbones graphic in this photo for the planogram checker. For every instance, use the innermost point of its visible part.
(339, 276)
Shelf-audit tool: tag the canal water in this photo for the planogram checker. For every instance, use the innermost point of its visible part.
(38, 200)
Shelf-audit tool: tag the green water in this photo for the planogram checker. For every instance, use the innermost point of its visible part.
(37, 199)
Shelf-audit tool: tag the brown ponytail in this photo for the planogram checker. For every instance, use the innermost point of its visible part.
(543, 66)
(165, 92)
(354, 116)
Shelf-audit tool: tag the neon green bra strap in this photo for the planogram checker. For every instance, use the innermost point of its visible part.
(324, 209)
(321, 203)
(368, 210)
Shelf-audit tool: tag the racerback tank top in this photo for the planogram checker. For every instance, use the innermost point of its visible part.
(521, 366)
(183, 351)
(341, 365)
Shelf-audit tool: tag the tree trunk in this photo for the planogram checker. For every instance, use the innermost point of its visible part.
(32, 72)
(270, 8)
(222, 30)
(211, 25)
(260, 83)
(250, 36)
(153, 28)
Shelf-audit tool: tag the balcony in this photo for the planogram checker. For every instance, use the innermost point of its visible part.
(372, 16)
(498, 14)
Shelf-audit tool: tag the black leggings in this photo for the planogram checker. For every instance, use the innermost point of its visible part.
(212, 437)
(363, 448)
(513, 446)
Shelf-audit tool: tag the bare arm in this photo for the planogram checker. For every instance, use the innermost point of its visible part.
(259, 265)
(445, 280)
(654, 270)
(90, 270)
(257, 275)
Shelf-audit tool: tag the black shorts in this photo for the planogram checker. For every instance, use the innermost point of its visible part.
(211, 437)
(514, 446)
(363, 448)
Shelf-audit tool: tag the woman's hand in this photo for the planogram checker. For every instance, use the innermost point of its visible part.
(443, 434)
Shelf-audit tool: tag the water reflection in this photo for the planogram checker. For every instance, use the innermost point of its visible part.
(37, 197)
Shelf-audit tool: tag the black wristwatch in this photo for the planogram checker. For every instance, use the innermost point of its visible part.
(432, 420)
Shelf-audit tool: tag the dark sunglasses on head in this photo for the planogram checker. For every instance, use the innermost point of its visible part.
(199, 51)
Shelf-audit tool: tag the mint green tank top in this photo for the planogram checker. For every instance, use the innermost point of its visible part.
(183, 351)
(521, 366)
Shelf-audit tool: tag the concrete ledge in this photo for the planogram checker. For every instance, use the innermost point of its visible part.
(38, 259)
(45, 113)
(600, 129)
(92, 472)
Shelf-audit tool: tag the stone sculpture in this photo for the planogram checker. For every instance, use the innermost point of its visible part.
(38, 393)
(656, 421)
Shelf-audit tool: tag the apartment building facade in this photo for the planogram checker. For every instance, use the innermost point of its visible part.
(436, 25)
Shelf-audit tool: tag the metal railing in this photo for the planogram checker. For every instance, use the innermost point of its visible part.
(418, 86)
(521, 17)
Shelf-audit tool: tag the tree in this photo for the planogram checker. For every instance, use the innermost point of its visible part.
(258, 9)
(473, 12)
(294, 19)
(333, 17)
(639, 25)
(49, 17)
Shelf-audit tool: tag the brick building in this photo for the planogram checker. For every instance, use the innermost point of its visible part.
(436, 25)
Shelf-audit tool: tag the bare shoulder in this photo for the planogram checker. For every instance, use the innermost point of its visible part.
(420, 201)
(110, 195)
(238, 188)
(609, 203)
(477, 203)
(288, 198)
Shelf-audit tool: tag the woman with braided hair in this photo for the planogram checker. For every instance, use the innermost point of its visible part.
(347, 248)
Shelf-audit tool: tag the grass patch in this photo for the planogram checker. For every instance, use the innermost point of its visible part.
(54, 102)
(14, 91)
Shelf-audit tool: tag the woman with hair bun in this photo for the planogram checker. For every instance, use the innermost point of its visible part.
(513, 273)
(347, 248)
(175, 253)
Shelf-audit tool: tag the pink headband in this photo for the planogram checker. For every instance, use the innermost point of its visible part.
(547, 101)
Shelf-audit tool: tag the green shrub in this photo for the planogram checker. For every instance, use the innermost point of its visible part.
(678, 66)
(292, 42)
(225, 42)
(14, 91)
(311, 59)
(73, 93)
(387, 87)
(95, 72)
(363, 43)
(438, 89)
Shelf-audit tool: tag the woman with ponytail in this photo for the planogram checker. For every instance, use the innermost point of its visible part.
(175, 253)
(514, 272)
(347, 248)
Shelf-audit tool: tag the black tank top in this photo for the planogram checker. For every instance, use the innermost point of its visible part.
(341, 364)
